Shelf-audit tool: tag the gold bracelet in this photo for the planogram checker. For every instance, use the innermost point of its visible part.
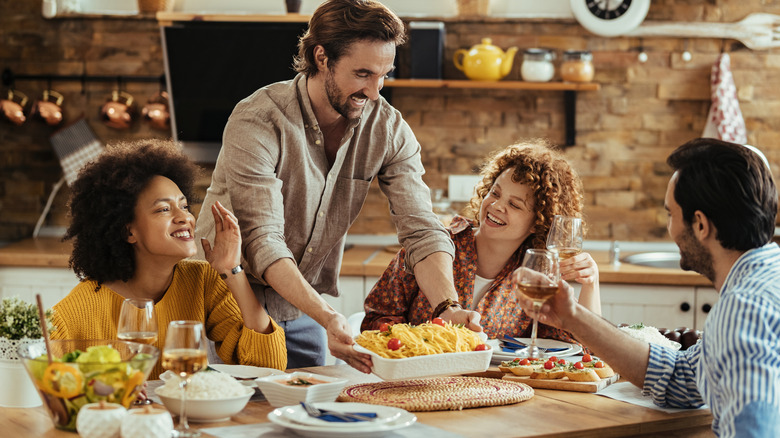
(444, 305)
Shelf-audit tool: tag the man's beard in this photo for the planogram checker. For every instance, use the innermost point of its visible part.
(694, 256)
(338, 101)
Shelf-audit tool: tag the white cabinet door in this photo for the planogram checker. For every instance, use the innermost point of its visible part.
(658, 306)
(706, 297)
(52, 283)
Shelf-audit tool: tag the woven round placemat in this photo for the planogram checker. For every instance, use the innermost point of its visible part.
(439, 393)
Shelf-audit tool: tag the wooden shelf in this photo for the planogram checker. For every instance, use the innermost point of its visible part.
(167, 18)
(569, 89)
(495, 85)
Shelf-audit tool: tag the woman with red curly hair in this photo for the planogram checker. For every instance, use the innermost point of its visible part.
(523, 186)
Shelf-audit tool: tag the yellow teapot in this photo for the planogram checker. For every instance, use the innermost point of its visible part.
(485, 62)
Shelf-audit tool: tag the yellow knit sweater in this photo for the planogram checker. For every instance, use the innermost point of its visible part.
(196, 293)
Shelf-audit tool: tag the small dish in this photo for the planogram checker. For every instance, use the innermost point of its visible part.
(278, 393)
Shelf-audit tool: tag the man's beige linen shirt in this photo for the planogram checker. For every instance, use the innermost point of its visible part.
(272, 172)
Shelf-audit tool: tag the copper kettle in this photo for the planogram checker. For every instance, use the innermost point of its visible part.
(13, 107)
(156, 111)
(49, 108)
(117, 112)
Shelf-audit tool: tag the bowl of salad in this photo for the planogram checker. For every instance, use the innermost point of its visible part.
(87, 371)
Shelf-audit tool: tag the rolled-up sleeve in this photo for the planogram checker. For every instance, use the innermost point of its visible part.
(670, 379)
(419, 230)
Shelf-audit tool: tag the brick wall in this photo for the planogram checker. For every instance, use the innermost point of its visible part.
(624, 131)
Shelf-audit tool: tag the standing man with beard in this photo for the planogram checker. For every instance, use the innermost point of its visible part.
(722, 203)
(295, 167)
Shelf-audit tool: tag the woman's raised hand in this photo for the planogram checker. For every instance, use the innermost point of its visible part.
(226, 253)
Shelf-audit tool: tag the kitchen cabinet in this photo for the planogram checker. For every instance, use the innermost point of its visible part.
(25, 282)
(658, 306)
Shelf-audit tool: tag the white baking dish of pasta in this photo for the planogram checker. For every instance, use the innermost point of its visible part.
(428, 365)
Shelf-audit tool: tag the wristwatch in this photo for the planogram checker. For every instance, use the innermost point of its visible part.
(233, 271)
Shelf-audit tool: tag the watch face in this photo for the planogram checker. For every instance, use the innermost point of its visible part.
(608, 9)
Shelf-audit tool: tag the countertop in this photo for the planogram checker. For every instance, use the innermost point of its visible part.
(359, 260)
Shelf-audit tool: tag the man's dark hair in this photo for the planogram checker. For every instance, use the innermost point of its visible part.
(731, 185)
(337, 24)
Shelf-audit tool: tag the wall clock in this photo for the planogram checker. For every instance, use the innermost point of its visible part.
(610, 17)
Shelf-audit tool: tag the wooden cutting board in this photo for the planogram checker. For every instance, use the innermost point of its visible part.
(563, 384)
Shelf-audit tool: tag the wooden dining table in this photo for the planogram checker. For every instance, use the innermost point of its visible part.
(549, 413)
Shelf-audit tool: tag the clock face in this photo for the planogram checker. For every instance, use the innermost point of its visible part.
(608, 9)
(610, 17)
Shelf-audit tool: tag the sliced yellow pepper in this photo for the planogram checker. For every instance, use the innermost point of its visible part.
(68, 380)
(134, 380)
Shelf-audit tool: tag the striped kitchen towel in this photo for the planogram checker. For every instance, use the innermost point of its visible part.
(75, 146)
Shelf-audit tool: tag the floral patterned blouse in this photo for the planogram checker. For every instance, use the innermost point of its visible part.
(396, 298)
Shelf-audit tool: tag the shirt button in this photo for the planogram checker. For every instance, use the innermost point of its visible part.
(309, 249)
(317, 128)
(316, 142)
(321, 214)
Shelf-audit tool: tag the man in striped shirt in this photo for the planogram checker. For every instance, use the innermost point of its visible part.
(722, 205)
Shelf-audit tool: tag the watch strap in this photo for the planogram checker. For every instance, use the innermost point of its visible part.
(233, 271)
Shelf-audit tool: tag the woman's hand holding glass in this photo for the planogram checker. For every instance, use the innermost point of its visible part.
(537, 279)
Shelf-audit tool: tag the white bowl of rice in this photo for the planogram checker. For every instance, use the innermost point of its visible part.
(651, 335)
(211, 396)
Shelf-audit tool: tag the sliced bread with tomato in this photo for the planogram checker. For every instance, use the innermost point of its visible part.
(553, 368)
(578, 372)
(601, 368)
(524, 367)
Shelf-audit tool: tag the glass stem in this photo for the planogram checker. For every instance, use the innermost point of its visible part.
(183, 426)
(537, 307)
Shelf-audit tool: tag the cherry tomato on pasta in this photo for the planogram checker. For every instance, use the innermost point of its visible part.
(438, 321)
(384, 327)
(481, 347)
(394, 344)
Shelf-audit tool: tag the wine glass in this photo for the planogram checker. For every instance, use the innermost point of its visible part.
(137, 321)
(565, 236)
(185, 354)
(538, 281)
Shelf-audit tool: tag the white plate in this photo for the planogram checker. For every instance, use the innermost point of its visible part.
(384, 415)
(242, 372)
(500, 355)
(282, 417)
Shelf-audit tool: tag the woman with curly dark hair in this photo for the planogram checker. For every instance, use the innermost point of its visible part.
(522, 187)
(132, 230)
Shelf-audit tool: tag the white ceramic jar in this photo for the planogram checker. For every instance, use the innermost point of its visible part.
(147, 422)
(100, 420)
(537, 65)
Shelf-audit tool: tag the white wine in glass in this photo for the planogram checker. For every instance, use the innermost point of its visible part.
(565, 236)
(185, 354)
(137, 321)
(537, 278)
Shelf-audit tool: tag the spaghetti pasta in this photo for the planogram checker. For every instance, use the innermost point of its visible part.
(420, 340)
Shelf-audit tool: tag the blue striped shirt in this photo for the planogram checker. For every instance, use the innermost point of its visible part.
(735, 368)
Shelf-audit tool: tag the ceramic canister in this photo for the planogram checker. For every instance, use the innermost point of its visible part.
(148, 423)
(100, 420)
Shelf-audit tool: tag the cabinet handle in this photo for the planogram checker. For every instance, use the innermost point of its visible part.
(706, 308)
(685, 307)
